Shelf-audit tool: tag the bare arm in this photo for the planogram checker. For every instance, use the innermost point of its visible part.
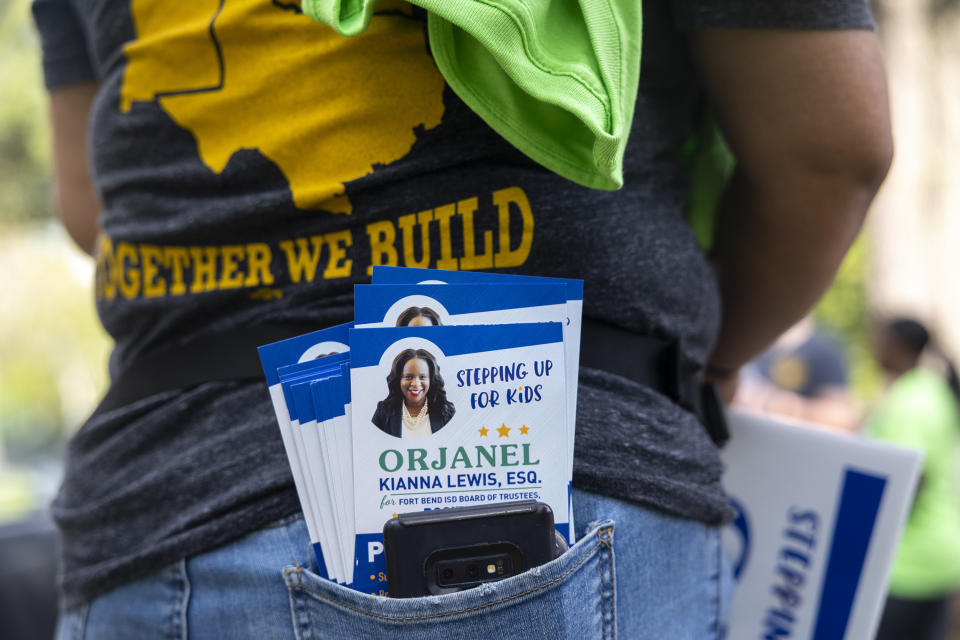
(77, 204)
(806, 115)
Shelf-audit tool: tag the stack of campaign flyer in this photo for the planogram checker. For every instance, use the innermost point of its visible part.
(448, 389)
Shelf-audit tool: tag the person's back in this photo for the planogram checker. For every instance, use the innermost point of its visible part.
(920, 411)
(253, 166)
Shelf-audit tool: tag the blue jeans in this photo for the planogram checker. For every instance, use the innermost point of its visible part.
(634, 573)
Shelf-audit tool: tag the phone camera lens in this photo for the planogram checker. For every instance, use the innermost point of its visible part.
(447, 573)
(472, 571)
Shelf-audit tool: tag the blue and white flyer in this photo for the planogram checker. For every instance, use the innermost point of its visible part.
(309, 442)
(331, 403)
(571, 327)
(299, 349)
(401, 305)
(318, 474)
(447, 416)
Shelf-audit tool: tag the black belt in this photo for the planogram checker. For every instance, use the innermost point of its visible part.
(227, 355)
(658, 364)
(232, 355)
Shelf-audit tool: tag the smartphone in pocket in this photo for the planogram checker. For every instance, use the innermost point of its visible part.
(447, 550)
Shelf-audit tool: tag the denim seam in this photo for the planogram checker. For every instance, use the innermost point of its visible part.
(181, 596)
(294, 605)
(299, 608)
(175, 589)
(80, 628)
(603, 601)
(612, 588)
(449, 613)
(718, 613)
(306, 612)
(284, 522)
(604, 541)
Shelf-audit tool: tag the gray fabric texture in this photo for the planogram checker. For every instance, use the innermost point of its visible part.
(64, 45)
(761, 14)
(181, 472)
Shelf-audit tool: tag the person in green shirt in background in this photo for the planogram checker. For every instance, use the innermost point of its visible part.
(920, 410)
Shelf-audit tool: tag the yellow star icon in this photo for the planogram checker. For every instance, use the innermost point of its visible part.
(394, 515)
(504, 431)
(524, 429)
(484, 431)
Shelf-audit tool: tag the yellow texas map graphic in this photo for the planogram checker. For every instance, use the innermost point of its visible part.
(254, 74)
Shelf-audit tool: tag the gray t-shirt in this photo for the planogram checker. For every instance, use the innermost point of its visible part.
(253, 166)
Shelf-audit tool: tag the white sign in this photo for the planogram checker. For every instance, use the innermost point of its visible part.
(819, 518)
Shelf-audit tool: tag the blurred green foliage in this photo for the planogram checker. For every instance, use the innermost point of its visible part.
(17, 495)
(845, 309)
(24, 134)
(53, 357)
(53, 351)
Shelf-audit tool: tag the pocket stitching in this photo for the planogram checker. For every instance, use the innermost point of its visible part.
(80, 629)
(297, 606)
(603, 600)
(447, 614)
(603, 535)
(718, 612)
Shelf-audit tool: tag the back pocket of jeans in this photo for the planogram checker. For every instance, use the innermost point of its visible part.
(571, 597)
